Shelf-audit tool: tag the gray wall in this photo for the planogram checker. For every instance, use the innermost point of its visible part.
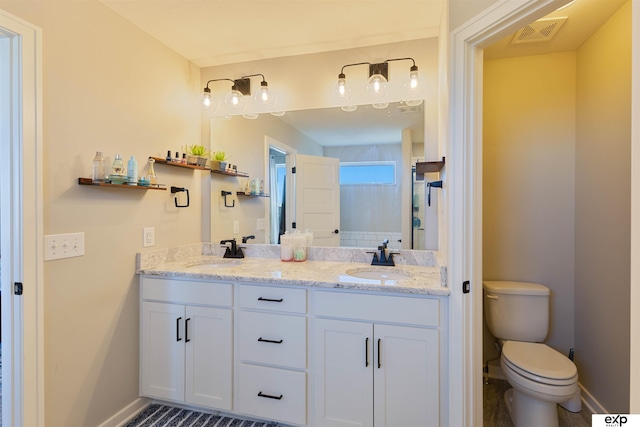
(603, 188)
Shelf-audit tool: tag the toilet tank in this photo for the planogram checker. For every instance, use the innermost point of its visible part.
(517, 311)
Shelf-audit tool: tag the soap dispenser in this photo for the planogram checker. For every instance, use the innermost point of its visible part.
(132, 171)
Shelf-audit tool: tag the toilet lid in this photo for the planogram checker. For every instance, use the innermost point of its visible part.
(539, 360)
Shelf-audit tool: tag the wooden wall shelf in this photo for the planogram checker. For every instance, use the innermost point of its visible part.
(242, 193)
(88, 181)
(428, 167)
(240, 174)
(161, 161)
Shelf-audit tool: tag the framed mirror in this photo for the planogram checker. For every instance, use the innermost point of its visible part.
(375, 149)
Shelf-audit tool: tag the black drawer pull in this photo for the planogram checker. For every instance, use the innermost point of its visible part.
(268, 396)
(271, 341)
(270, 300)
(379, 352)
(186, 330)
(366, 352)
(178, 329)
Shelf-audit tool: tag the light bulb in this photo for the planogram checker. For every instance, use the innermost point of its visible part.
(414, 87)
(342, 90)
(349, 108)
(208, 103)
(380, 105)
(264, 96)
(377, 85)
(234, 99)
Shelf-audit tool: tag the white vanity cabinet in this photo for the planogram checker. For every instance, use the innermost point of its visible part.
(271, 344)
(186, 341)
(375, 360)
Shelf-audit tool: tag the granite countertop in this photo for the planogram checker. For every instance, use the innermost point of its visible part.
(422, 280)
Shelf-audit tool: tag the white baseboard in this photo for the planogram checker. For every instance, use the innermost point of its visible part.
(127, 413)
(590, 402)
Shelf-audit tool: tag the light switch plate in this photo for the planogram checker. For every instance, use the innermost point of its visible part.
(58, 246)
(260, 224)
(236, 227)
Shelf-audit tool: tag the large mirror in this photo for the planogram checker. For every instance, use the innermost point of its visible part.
(378, 196)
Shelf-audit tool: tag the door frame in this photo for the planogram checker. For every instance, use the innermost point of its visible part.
(22, 225)
(464, 195)
(270, 142)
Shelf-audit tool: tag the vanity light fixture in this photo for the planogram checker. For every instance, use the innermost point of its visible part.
(240, 89)
(377, 85)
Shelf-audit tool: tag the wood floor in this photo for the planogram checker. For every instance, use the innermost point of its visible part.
(495, 409)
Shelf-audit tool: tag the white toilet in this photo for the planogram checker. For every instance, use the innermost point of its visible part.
(517, 313)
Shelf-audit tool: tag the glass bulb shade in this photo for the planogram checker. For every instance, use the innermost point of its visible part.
(342, 91)
(349, 108)
(251, 116)
(234, 99)
(277, 113)
(265, 97)
(377, 86)
(208, 102)
(414, 88)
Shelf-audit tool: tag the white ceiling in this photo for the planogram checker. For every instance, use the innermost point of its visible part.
(215, 32)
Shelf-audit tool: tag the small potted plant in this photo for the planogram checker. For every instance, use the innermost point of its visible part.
(197, 155)
(219, 159)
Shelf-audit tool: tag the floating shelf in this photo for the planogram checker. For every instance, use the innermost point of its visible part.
(428, 167)
(161, 161)
(88, 181)
(241, 174)
(242, 193)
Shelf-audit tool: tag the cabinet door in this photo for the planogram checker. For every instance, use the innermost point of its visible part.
(162, 353)
(406, 382)
(343, 361)
(208, 364)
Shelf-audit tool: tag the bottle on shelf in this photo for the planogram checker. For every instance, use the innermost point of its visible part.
(151, 173)
(118, 166)
(98, 172)
(132, 171)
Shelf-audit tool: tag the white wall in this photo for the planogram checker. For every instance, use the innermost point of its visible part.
(106, 86)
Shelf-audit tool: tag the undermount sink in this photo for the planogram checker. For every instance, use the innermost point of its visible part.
(386, 276)
(215, 264)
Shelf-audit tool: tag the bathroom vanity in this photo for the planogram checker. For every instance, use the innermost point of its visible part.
(316, 343)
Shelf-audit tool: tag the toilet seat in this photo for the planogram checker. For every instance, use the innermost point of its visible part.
(539, 362)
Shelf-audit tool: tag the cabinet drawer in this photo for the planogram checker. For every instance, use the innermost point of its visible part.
(377, 308)
(186, 291)
(272, 393)
(274, 339)
(273, 298)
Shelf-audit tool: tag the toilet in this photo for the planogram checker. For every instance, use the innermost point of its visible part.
(517, 313)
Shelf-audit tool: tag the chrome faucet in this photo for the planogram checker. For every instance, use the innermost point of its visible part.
(232, 252)
(383, 258)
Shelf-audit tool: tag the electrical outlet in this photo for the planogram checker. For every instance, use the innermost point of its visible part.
(236, 227)
(260, 224)
(148, 236)
(58, 246)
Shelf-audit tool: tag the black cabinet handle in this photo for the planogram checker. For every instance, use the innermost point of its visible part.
(178, 329)
(379, 361)
(336, 231)
(270, 300)
(366, 352)
(186, 330)
(268, 396)
(271, 341)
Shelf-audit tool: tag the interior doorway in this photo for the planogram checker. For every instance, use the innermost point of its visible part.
(278, 160)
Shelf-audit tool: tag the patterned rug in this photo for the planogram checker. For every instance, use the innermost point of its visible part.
(167, 416)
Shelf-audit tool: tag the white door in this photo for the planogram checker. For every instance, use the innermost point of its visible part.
(406, 383)
(317, 198)
(162, 358)
(208, 365)
(343, 373)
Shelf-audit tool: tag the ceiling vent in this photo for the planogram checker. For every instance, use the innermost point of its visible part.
(541, 30)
